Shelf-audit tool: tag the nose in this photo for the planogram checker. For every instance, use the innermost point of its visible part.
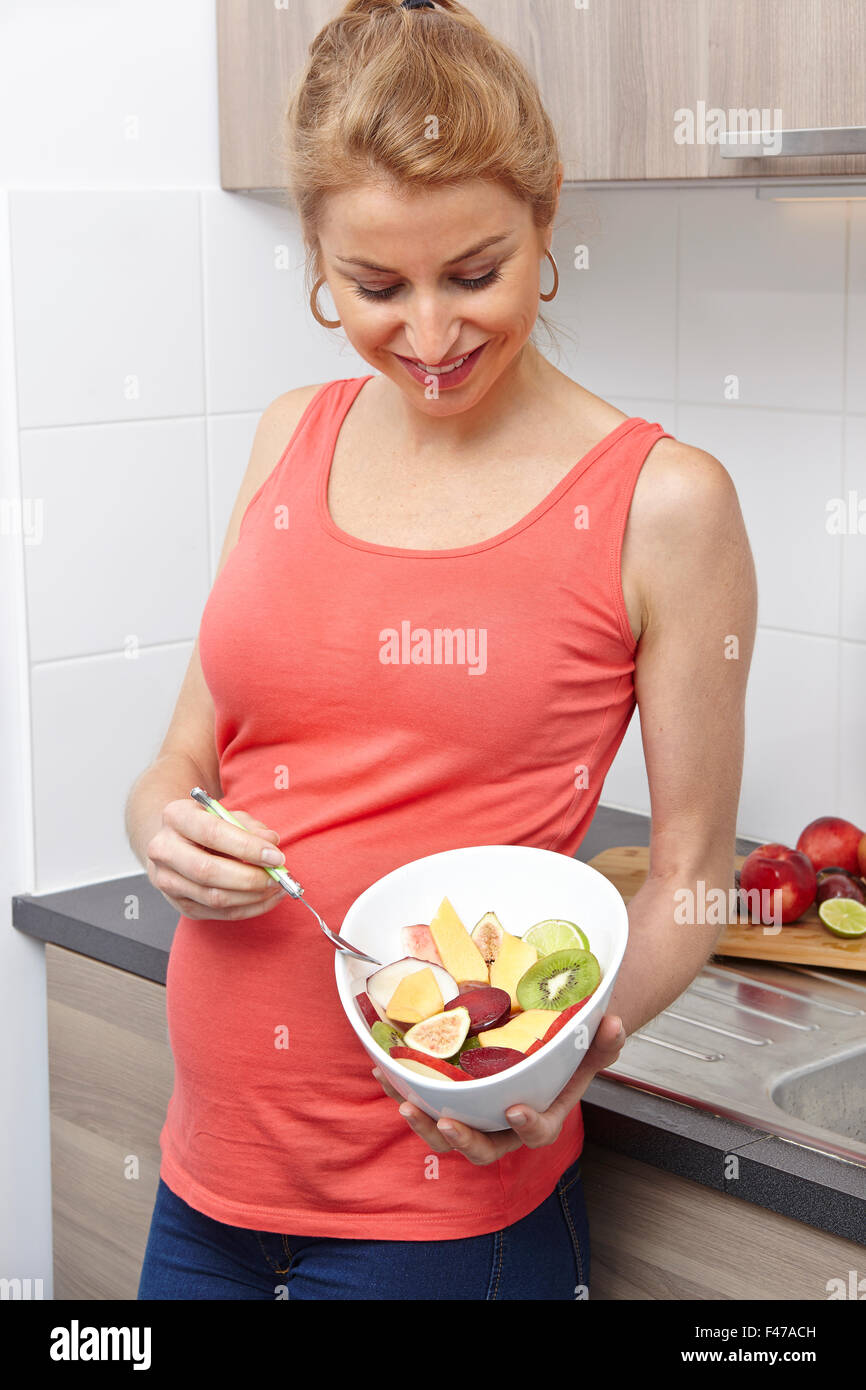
(432, 328)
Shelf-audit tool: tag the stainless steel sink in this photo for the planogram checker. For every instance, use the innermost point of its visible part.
(781, 1048)
(832, 1096)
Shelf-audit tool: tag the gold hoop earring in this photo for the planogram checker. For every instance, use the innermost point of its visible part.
(547, 297)
(314, 307)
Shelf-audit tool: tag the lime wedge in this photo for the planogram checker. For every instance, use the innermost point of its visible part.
(555, 935)
(844, 916)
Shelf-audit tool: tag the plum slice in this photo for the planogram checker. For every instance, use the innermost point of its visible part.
(487, 1061)
(487, 1005)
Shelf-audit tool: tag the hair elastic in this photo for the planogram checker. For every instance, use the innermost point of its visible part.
(417, 5)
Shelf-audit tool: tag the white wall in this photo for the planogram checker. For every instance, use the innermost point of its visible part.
(145, 324)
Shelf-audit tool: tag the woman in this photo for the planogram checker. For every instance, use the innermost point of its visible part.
(468, 485)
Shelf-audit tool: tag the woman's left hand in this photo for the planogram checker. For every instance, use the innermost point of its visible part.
(531, 1127)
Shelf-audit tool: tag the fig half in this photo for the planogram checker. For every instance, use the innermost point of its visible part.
(439, 1036)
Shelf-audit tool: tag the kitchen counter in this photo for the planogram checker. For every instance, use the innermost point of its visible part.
(126, 923)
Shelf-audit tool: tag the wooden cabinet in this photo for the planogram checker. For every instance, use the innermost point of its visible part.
(805, 57)
(614, 76)
(654, 1235)
(110, 1076)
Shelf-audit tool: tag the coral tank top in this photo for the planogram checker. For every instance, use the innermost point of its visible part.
(363, 758)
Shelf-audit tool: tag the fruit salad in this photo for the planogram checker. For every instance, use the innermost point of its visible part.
(465, 1005)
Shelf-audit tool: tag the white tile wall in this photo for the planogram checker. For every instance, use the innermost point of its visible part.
(852, 732)
(761, 299)
(856, 374)
(119, 95)
(853, 539)
(97, 722)
(619, 313)
(792, 736)
(786, 466)
(108, 306)
(124, 556)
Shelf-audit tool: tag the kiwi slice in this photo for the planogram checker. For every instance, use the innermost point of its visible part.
(558, 980)
(386, 1036)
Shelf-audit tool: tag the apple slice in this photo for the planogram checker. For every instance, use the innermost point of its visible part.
(434, 1067)
(383, 982)
(369, 1012)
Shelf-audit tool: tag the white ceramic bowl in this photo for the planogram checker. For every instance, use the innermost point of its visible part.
(522, 886)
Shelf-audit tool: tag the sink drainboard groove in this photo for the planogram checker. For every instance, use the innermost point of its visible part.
(752, 1038)
(678, 1047)
(808, 999)
(751, 1009)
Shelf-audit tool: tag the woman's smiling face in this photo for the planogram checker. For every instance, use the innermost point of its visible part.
(433, 276)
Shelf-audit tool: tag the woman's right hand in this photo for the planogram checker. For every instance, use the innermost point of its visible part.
(207, 868)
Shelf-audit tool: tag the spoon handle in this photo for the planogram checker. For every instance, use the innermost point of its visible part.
(282, 876)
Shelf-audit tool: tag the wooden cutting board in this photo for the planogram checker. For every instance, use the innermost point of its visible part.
(806, 942)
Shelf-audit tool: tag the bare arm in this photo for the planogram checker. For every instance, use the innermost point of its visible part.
(691, 669)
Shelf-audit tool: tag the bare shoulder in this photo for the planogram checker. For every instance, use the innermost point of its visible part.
(680, 484)
(276, 425)
(686, 541)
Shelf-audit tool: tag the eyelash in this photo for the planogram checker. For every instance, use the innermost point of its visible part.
(480, 284)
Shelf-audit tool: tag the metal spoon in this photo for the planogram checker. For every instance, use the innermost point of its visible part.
(283, 878)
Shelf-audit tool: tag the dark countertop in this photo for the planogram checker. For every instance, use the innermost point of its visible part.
(125, 922)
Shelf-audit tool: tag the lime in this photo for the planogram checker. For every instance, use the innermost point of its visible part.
(844, 916)
(555, 935)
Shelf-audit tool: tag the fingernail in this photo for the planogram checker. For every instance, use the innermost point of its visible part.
(445, 1126)
(518, 1119)
(406, 1112)
(375, 1072)
(273, 856)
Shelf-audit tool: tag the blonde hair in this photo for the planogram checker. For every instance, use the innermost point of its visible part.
(375, 76)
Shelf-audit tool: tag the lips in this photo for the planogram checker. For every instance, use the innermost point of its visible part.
(451, 363)
(449, 375)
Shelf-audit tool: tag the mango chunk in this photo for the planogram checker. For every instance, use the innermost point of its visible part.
(458, 952)
(416, 997)
(514, 959)
(519, 1032)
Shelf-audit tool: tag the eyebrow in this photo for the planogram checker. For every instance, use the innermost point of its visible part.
(465, 256)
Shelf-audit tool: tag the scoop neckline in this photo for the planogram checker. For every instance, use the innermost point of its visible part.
(344, 537)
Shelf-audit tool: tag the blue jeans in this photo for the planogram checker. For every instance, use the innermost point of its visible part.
(543, 1256)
